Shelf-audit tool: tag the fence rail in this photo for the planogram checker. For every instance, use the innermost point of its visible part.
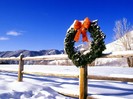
(83, 76)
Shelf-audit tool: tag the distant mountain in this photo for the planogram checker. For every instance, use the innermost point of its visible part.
(30, 53)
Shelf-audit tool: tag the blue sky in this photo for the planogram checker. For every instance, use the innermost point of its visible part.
(42, 24)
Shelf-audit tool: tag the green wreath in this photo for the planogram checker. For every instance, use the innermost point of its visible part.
(97, 45)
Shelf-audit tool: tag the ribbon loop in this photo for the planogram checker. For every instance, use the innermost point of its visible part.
(81, 28)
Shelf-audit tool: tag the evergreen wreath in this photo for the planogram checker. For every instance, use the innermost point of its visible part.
(97, 45)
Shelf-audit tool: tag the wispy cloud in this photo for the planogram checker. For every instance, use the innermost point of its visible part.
(4, 38)
(13, 33)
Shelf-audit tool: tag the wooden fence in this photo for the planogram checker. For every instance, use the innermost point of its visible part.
(83, 76)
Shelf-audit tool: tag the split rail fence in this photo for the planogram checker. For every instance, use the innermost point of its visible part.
(83, 76)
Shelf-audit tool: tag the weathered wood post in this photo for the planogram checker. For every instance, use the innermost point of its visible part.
(21, 67)
(83, 81)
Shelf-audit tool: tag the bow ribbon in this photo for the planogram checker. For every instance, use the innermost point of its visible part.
(81, 29)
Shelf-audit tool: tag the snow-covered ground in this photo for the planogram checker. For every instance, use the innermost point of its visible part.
(40, 87)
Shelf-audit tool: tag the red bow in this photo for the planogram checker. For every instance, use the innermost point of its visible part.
(81, 29)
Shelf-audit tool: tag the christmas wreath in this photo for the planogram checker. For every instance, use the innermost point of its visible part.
(97, 43)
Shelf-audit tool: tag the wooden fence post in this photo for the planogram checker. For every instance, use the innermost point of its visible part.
(20, 69)
(83, 81)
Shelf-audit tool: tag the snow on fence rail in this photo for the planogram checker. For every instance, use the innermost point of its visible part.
(83, 76)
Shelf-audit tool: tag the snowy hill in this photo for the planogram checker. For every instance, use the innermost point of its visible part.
(117, 46)
(114, 47)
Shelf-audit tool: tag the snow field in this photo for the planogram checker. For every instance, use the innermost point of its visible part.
(40, 87)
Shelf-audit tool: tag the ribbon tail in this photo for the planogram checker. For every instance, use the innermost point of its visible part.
(84, 36)
(77, 36)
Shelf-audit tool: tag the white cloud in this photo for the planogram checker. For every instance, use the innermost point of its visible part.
(4, 38)
(13, 33)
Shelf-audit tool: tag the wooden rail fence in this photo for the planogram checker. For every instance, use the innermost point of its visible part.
(83, 76)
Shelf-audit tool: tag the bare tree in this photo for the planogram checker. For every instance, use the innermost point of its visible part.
(122, 31)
